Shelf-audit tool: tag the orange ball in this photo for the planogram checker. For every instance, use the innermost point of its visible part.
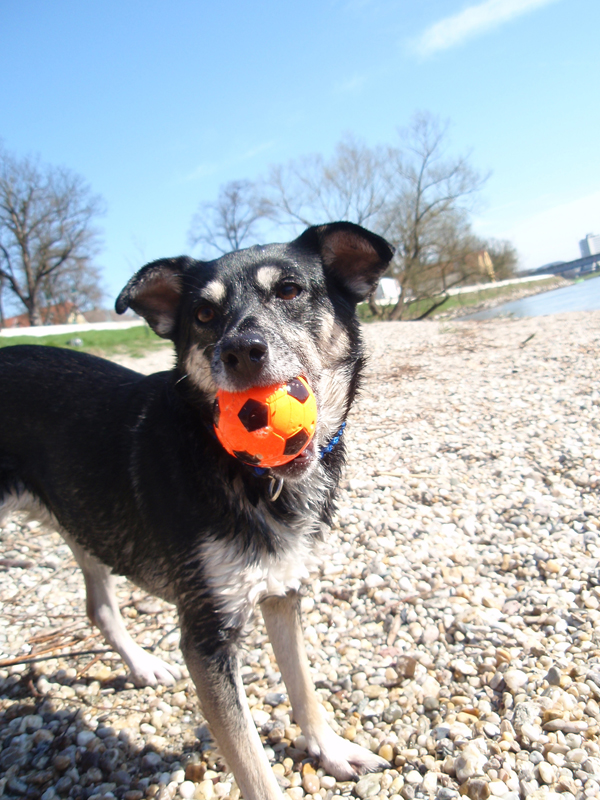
(266, 426)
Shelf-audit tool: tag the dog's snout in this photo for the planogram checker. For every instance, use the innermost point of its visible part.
(244, 355)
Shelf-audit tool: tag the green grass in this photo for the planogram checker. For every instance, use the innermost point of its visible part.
(417, 308)
(129, 341)
(588, 276)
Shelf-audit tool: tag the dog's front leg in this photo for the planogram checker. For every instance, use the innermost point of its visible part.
(224, 705)
(339, 757)
(103, 611)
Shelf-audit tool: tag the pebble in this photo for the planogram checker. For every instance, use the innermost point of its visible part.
(469, 763)
(515, 679)
(327, 782)
(553, 676)
(85, 738)
(386, 751)
(206, 789)
(476, 789)
(430, 783)
(367, 786)
(311, 783)
(546, 772)
(532, 732)
(186, 789)
(454, 627)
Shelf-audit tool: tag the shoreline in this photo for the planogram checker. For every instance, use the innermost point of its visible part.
(510, 297)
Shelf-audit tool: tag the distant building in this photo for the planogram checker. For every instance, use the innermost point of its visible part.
(109, 315)
(57, 314)
(590, 246)
(588, 263)
(67, 313)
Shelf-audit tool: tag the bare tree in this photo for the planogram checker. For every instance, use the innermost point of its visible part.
(1, 300)
(427, 215)
(70, 290)
(351, 186)
(231, 221)
(47, 238)
(415, 194)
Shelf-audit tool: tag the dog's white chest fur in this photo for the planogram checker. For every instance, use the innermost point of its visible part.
(238, 580)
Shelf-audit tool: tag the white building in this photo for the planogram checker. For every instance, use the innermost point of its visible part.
(387, 292)
(590, 246)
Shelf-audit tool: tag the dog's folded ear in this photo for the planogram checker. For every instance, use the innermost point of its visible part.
(353, 256)
(154, 293)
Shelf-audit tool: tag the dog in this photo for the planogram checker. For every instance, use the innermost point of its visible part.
(127, 468)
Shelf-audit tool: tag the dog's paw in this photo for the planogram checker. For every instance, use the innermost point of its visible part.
(344, 760)
(148, 670)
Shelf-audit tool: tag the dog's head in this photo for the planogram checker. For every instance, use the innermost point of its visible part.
(264, 315)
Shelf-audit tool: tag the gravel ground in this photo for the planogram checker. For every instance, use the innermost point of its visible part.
(454, 627)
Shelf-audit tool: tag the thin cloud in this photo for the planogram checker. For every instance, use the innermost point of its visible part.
(472, 21)
(351, 85)
(203, 170)
(212, 167)
(254, 151)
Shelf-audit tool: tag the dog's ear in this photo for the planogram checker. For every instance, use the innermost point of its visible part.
(154, 293)
(353, 256)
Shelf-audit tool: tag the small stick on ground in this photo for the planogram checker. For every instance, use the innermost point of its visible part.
(10, 662)
(528, 339)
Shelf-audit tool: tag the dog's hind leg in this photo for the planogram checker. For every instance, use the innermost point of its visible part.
(339, 757)
(225, 707)
(103, 611)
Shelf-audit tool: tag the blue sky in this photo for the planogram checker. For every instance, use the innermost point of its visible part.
(158, 103)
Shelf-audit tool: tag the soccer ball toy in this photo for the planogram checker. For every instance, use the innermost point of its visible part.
(266, 426)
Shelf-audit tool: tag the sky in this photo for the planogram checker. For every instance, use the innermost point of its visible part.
(157, 104)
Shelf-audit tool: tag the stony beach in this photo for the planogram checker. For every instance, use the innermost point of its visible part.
(454, 627)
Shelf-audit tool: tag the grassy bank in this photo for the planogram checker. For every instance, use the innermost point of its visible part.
(129, 341)
(494, 295)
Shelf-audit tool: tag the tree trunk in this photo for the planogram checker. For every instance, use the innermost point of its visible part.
(374, 308)
(433, 307)
(35, 315)
(397, 310)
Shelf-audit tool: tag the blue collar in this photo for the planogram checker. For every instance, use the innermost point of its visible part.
(333, 441)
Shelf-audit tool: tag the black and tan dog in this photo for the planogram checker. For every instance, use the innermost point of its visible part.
(127, 469)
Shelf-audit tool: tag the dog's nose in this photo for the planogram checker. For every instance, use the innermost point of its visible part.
(244, 355)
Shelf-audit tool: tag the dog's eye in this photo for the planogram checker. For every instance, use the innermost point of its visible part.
(205, 314)
(287, 291)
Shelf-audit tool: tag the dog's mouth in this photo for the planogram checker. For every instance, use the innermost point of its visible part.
(299, 466)
(265, 426)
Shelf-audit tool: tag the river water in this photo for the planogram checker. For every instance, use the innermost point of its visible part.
(584, 296)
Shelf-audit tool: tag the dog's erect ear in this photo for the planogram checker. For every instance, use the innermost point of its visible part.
(353, 256)
(154, 293)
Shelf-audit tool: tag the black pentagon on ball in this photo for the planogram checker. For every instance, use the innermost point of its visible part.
(254, 415)
(295, 443)
(297, 389)
(247, 458)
